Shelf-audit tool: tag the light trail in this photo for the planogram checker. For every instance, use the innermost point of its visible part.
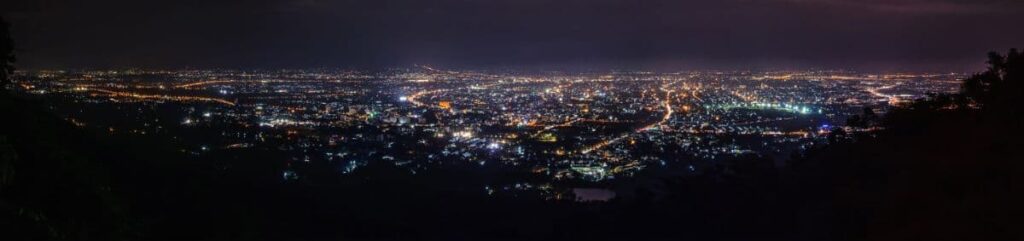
(417, 103)
(413, 98)
(161, 97)
(666, 103)
(428, 68)
(201, 83)
(892, 99)
(549, 127)
(763, 121)
(875, 91)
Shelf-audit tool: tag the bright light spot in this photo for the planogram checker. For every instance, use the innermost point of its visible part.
(464, 134)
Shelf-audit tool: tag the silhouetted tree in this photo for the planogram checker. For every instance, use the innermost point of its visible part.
(855, 121)
(865, 119)
(869, 115)
(942, 169)
(999, 87)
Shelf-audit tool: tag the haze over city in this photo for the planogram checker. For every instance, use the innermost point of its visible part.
(899, 35)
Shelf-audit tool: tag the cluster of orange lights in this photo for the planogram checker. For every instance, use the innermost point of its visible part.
(444, 105)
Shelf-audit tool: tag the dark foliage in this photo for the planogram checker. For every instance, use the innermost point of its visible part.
(944, 168)
(6, 54)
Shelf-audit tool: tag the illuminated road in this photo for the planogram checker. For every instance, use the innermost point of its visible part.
(893, 100)
(875, 91)
(162, 97)
(666, 103)
(201, 83)
(549, 127)
(413, 98)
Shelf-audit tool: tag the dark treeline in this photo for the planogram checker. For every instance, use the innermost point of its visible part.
(943, 168)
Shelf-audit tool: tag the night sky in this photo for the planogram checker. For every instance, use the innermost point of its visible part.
(874, 35)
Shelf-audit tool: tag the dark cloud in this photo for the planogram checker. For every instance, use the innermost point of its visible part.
(887, 35)
(926, 6)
